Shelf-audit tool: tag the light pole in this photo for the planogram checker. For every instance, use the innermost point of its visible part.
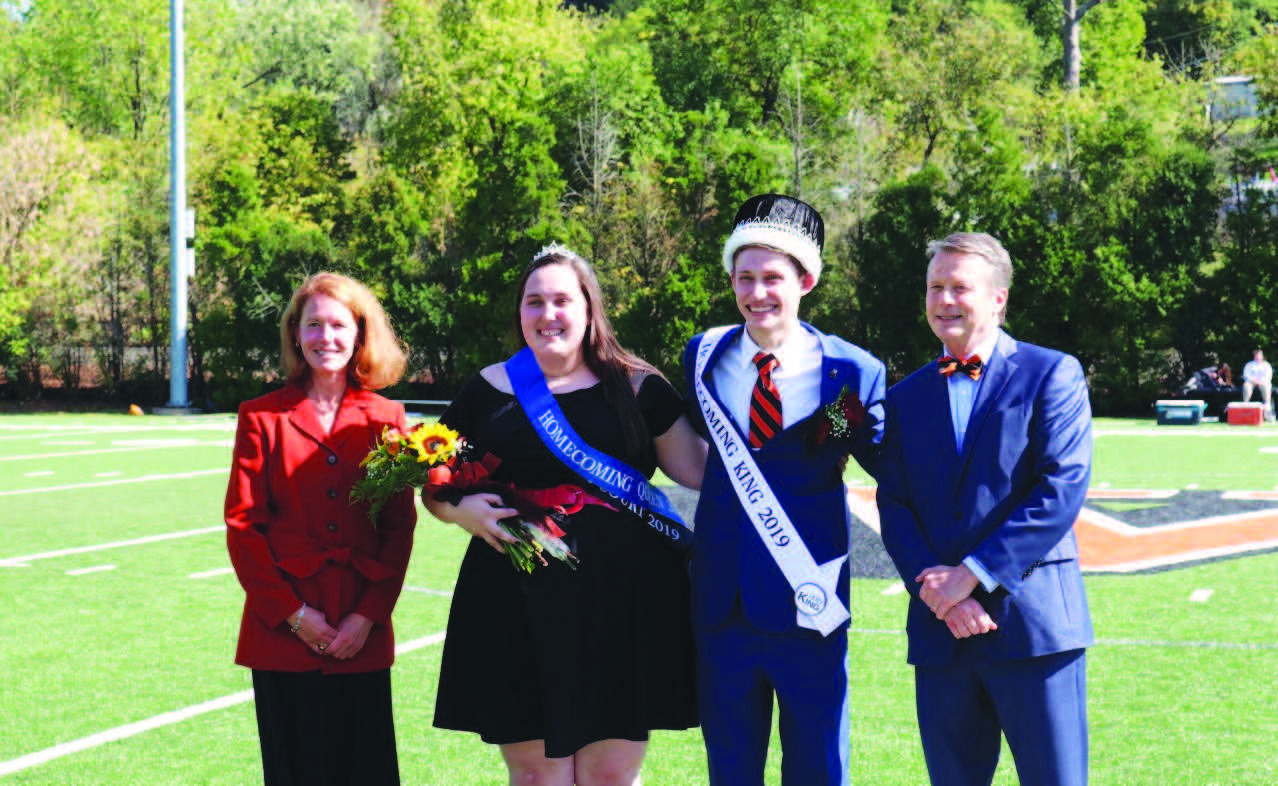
(179, 269)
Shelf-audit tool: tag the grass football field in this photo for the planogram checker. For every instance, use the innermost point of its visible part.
(118, 617)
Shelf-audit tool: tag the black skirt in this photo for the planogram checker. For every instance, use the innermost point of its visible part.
(326, 730)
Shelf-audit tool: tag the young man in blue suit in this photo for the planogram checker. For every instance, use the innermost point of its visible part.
(986, 459)
(783, 405)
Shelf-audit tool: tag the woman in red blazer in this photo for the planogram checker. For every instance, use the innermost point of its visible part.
(320, 579)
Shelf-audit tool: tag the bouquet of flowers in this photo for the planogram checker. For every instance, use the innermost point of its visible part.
(437, 459)
(403, 459)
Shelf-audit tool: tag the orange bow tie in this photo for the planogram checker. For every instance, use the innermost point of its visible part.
(971, 366)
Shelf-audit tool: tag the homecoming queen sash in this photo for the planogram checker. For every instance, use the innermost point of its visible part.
(816, 598)
(615, 479)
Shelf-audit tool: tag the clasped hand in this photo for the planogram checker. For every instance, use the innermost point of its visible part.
(343, 642)
(947, 591)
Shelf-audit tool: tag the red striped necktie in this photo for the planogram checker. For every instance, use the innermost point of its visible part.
(765, 403)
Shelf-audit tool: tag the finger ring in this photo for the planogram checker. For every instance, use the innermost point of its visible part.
(321, 647)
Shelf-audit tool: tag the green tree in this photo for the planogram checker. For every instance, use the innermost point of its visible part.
(51, 229)
(274, 203)
(470, 129)
(890, 268)
(106, 62)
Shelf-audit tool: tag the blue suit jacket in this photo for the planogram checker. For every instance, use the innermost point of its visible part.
(1009, 498)
(729, 560)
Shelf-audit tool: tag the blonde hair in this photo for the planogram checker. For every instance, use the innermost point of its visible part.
(987, 248)
(379, 358)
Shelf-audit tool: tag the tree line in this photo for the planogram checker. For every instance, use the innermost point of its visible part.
(430, 147)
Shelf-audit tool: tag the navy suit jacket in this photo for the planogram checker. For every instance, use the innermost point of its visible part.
(729, 560)
(1009, 498)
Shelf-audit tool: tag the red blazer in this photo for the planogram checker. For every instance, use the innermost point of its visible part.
(295, 538)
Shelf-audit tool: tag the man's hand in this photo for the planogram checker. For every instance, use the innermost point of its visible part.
(969, 618)
(944, 586)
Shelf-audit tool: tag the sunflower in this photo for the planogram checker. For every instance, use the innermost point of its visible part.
(433, 442)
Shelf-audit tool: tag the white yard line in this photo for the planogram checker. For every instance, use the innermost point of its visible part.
(425, 591)
(182, 443)
(1187, 431)
(1208, 645)
(120, 732)
(48, 432)
(22, 561)
(166, 719)
(96, 484)
(208, 574)
(86, 571)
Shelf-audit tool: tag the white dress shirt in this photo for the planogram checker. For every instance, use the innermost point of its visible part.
(797, 377)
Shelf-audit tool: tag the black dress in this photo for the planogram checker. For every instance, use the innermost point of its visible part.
(569, 657)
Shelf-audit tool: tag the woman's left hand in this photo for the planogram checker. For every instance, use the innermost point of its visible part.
(352, 632)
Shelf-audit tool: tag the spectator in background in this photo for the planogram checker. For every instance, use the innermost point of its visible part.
(320, 578)
(1225, 375)
(1259, 374)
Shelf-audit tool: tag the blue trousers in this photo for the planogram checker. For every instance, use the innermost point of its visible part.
(740, 670)
(1040, 704)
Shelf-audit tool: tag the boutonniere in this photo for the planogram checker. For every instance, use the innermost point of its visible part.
(839, 419)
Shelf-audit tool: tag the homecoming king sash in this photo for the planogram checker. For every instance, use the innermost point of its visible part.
(815, 586)
(615, 479)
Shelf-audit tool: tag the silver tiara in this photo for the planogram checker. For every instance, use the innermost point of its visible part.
(778, 225)
(552, 249)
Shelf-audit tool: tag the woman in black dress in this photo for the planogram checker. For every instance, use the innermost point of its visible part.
(568, 670)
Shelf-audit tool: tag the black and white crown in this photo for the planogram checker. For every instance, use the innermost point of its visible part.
(784, 223)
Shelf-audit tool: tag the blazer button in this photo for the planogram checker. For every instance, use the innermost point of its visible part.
(332, 458)
(332, 493)
(332, 526)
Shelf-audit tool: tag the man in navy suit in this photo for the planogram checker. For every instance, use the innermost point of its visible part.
(783, 406)
(985, 463)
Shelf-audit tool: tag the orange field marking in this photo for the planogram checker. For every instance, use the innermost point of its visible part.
(1107, 545)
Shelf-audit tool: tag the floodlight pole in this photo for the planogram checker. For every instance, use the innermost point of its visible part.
(178, 267)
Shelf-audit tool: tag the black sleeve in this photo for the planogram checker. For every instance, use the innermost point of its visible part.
(660, 404)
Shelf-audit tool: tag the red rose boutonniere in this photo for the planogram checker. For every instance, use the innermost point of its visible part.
(839, 419)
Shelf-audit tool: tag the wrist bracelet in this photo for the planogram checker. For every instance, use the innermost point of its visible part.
(296, 626)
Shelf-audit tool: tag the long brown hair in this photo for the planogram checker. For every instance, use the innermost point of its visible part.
(603, 353)
(379, 358)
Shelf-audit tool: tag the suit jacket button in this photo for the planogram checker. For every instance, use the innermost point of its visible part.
(332, 493)
(332, 458)
(332, 526)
